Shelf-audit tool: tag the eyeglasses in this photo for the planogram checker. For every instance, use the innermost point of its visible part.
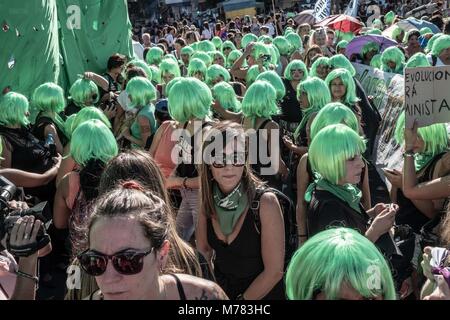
(127, 262)
(299, 70)
(238, 160)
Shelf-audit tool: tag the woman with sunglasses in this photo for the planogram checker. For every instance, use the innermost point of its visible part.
(339, 264)
(128, 250)
(248, 262)
(83, 93)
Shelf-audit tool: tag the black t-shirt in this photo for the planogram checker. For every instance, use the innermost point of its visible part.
(289, 106)
(326, 210)
(71, 109)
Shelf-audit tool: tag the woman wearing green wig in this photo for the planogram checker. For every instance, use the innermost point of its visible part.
(285, 49)
(83, 93)
(376, 61)
(428, 149)
(247, 39)
(190, 109)
(339, 264)
(218, 58)
(412, 43)
(227, 47)
(418, 60)
(440, 51)
(197, 69)
(206, 46)
(217, 43)
(320, 68)
(21, 150)
(343, 90)
(368, 51)
(274, 79)
(205, 57)
(332, 113)
(154, 56)
(334, 198)
(297, 45)
(92, 146)
(73, 122)
(341, 46)
(258, 107)
(217, 73)
(393, 60)
(398, 34)
(48, 100)
(226, 105)
(232, 57)
(255, 54)
(186, 53)
(169, 70)
(141, 93)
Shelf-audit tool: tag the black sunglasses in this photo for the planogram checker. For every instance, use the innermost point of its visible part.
(126, 262)
(238, 160)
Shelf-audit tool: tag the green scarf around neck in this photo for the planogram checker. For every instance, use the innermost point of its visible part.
(421, 160)
(229, 207)
(347, 193)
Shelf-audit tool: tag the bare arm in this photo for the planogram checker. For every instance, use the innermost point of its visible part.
(145, 130)
(157, 139)
(366, 198)
(302, 185)
(272, 248)
(236, 70)
(61, 213)
(67, 165)
(98, 79)
(226, 114)
(50, 128)
(29, 179)
(201, 236)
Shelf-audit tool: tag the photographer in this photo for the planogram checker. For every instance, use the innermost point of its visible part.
(19, 281)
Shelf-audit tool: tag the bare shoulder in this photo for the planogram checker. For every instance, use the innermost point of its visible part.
(197, 288)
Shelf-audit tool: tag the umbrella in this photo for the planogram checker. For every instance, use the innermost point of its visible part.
(306, 16)
(345, 23)
(355, 46)
(323, 23)
(413, 23)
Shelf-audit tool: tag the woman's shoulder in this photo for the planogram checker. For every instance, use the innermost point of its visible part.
(196, 288)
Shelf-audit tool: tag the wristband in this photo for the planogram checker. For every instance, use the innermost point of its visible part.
(408, 153)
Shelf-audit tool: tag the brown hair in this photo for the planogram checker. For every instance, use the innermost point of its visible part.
(308, 61)
(139, 166)
(228, 129)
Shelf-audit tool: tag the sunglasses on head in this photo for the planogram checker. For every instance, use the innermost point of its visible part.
(126, 262)
(238, 160)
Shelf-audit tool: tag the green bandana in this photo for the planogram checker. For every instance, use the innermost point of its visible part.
(229, 207)
(421, 160)
(347, 193)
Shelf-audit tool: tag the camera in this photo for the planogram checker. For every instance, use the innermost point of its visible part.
(8, 217)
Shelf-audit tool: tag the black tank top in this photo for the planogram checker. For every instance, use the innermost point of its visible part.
(39, 129)
(237, 264)
(408, 213)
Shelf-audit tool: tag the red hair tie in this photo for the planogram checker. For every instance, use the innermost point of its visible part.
(132, 185)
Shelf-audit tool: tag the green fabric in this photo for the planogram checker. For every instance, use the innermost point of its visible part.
(229, 207)
(347, 193)
(421, 160)
(147, 112)
(48, 51)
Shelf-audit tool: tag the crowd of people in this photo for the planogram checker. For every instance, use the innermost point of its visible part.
(232, 162)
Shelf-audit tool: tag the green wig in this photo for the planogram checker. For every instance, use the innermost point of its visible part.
(193, 99)
(187, 50)
(48, 97)
(196, 65)
(334, 113)
(156, 74)
(418, 60)
(92, 140)
(252, 73)
(275, 80)
(431, 42)
(171, 84)
(259, 49)
(425, 31)
(232, 57)
(260, 101)
(224, 93)
(216, 72)
(217, 43)
(141, 92)
(228, 45)
(389, 18)
(154, 56)
(265, 39)
(214, 54)
(206, 46)
(206, 58)
(86, 114)
(335, 257)
(331, 147)
(341, 61)
(434, 136)
(144, 66)
(342, 44)
(171, 67)
(375, 31)
(249, 37)
(350, 92)
(283, 45)
(295, 40)
(274, 54)
(376, 61)
(377, 24)
(322, 61)
(369, 46)
(396, 32)
(84, 93)
(318, 96)
(295, 65)
(340, 35)
(170, 56)
(440, 44)
(393, 54)
(13, 109)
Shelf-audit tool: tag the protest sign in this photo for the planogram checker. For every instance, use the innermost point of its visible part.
(375, 83)
(322, 9)
(427, 95)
